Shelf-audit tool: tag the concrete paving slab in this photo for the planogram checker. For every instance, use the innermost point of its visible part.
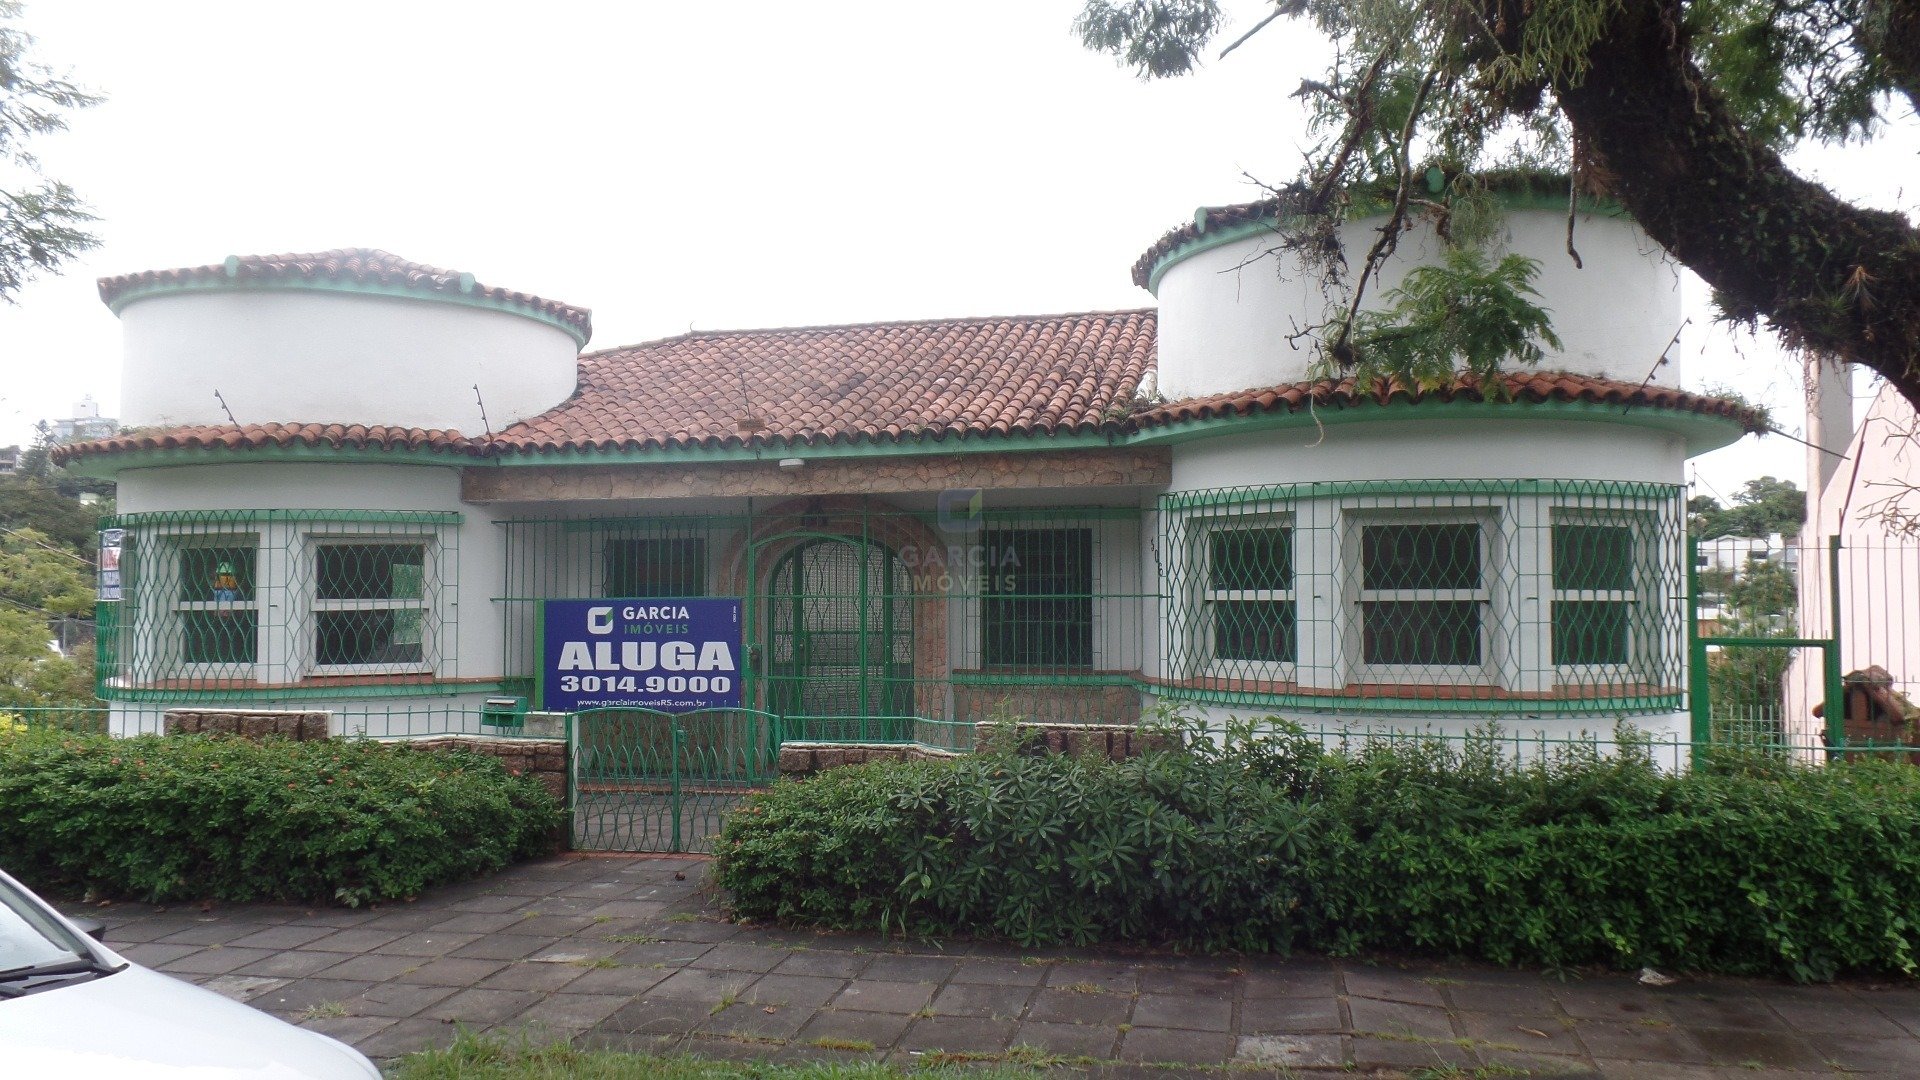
(527, 952)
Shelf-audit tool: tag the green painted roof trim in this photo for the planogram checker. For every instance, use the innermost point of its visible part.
(1701, 432)
(394, 292)
(1333, 704)
(1208, 239)
(106, 466)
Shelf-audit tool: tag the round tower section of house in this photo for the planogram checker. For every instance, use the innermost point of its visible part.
(352, 336)
(1232, 298)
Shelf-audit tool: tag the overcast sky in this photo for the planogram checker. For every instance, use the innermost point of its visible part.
(705, 165)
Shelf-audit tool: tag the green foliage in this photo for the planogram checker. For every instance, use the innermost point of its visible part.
(1155, 39)
(1266, 843)
(1747, 685)
(1465, 313)
(164, 818)
(1714, 91)
(41, 582)
(1760, 508)
(491, 1057)
(43, 225)
(1035, 848)
(40, 506)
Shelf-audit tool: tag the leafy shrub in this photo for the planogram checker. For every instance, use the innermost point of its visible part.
(190, 817)
(1035, 848)
(1267, 843)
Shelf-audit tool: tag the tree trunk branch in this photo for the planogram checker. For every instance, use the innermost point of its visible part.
(1832, 277)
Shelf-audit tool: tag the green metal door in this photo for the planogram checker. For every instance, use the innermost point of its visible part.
(840, 641)
(653, 781)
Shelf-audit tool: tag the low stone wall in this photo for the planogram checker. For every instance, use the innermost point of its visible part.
(1115, 742)
(798, 759)
(543, 759)
(300, 726)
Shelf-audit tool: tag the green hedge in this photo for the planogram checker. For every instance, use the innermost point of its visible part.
(202, 817)
(1744, 864)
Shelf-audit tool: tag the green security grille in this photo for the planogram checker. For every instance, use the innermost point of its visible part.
(876, 625)
(1435, 596)
(267, 605)
(840, 641)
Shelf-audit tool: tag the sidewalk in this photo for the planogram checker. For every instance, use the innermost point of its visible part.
(630, 953)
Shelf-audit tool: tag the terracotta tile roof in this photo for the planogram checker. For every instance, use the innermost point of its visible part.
(1205, 219)
(1527, 386)
(877, 382)
(257, 436)
(1042, 374)
(362, 266)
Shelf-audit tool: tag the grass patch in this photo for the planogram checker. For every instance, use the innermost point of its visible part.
(475, 1057)
(325, 1010)
(633, 939)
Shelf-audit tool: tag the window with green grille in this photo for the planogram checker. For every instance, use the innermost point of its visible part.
(370, 606)
(654, 567)
(1249, 593)
(1594, 592)
(215, 601)
(1037, 604)
(1422, 589)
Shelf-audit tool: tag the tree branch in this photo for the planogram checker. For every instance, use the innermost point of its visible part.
(1834, 278)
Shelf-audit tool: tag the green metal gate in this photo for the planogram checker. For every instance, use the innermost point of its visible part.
(840, 641)
(642, 780)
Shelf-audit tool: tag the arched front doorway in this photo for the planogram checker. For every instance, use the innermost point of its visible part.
(839, 641)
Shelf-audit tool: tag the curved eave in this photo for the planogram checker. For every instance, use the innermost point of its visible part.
(1207, 239)
(108, 464)
(480, 300)
(1701, 432)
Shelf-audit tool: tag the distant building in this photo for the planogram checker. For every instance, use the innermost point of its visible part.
(9, 460)
(85, 423)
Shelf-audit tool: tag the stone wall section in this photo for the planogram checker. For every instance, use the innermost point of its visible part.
(543, 759)
(1149, 466)
(803, 759)
(300, 726)
(1115, 742)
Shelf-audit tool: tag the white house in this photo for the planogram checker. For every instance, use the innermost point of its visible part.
(1071, 516)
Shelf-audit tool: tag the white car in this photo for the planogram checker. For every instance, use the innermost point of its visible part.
(71, 1008)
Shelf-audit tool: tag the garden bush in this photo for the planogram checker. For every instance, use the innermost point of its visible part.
(1745, 864)
(161, 818)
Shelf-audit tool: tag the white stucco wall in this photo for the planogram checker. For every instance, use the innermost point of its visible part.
(469, 623)
(280, 356)
(1226, 313)
(1517, 574)
(1418, 448)
(1879, 569)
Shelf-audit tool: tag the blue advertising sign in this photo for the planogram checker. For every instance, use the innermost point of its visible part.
(674, 655)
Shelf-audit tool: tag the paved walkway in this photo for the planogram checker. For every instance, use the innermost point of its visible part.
(631, 953)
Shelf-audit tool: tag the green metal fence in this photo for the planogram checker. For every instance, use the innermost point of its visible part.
(650, 781)
(245, 604)
(1495, 597)
(865, 622)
